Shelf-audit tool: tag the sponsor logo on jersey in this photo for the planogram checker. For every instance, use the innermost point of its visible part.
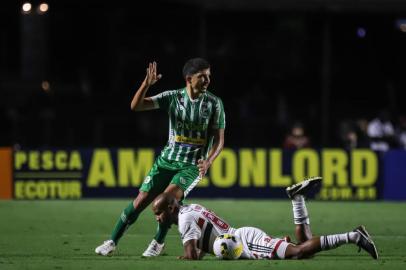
(190, 126)
(188, 140)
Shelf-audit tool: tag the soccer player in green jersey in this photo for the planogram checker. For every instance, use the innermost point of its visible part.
(196, 138)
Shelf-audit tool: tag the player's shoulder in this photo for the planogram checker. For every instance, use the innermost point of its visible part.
(186, 215)
(213, 99)
(171, 92)
(190, 208)
(212, 96)
(190, 212)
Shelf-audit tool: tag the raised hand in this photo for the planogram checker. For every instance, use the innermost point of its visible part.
(152, 77)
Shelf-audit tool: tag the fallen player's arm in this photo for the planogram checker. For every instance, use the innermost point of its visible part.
(191, 252)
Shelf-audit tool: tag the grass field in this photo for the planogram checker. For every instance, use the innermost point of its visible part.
(63, 234)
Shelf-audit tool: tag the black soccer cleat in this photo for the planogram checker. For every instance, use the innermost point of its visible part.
(303, 187)
(365, 242)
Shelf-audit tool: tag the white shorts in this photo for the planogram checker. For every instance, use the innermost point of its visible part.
(258, 245)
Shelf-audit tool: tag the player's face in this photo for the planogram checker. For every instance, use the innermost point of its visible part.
(201, 80)
(163, 216)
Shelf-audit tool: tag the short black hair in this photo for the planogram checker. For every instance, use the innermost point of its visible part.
(194, 65)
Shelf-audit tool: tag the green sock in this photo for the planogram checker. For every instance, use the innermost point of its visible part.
(161, 233)
(163, 229)
(127, 217)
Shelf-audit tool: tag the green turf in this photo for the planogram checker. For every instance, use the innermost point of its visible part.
(63, 234)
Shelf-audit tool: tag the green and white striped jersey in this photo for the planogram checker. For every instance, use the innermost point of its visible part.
(190, 124)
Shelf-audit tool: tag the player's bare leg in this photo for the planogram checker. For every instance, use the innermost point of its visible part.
(358, 236)
(303, 250)
(309, 245)
(301, 219)
(303, 233)
(175, 191)
(157, 244)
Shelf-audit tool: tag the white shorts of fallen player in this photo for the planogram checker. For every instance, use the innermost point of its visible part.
(258, 245)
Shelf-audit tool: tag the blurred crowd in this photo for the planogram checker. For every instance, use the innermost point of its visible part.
(378, 134)
(287, 79)
(46, 120)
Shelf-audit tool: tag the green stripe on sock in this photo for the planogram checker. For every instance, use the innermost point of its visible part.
(127, 217)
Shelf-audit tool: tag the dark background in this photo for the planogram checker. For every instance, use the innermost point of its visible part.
(273, 63)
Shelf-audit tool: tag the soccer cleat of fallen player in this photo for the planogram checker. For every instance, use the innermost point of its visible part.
(365, 242)
(303, 187)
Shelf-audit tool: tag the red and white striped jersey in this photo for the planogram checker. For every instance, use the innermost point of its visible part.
(197, 222)
(258, 245)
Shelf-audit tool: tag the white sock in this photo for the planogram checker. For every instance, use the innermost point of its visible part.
(336, 240)
(300, 215)
(353, 237)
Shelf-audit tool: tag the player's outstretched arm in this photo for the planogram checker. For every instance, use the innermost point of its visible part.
(191, 252)
(139, 101)
(218, 145)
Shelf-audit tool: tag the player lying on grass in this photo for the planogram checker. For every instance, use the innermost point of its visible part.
(199, 228)
(196, 138)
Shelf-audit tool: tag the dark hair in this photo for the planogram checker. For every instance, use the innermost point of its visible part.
(194, 65)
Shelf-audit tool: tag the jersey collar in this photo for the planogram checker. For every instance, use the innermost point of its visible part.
(193, 100)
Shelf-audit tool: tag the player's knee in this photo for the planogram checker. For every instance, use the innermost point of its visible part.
(300, 254)
(303, 252)
(176, 191)
(140, 201)
(294, 252)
